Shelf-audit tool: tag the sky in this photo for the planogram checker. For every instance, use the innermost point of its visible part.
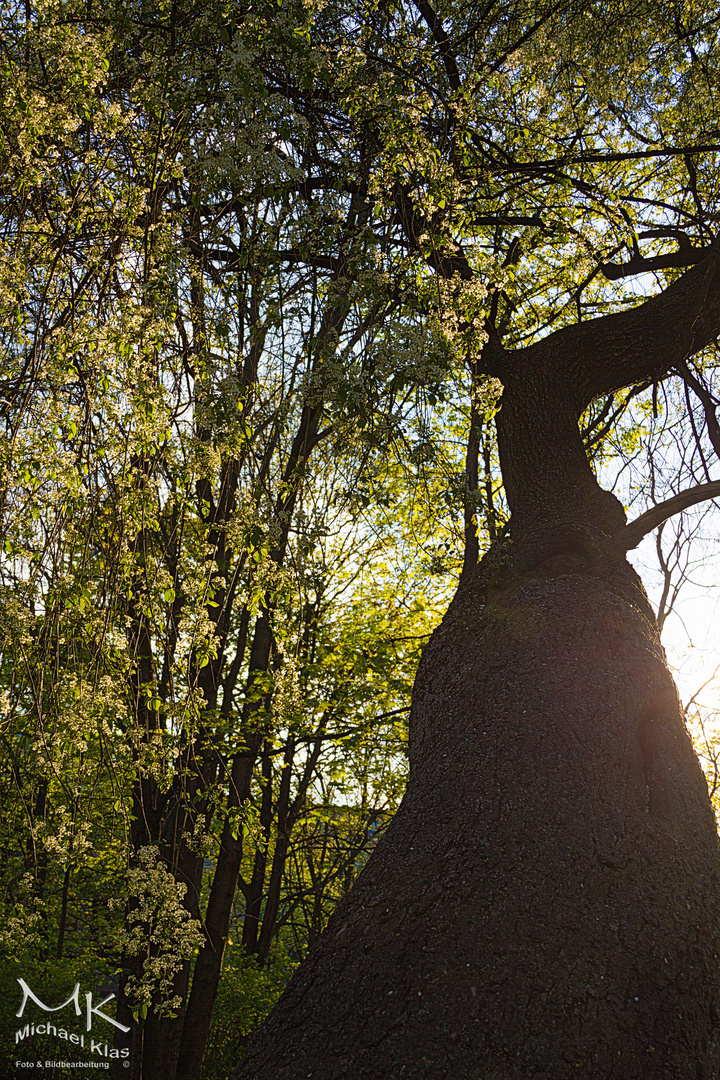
(691, 634)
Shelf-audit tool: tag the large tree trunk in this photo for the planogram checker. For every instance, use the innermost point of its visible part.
(546, 901)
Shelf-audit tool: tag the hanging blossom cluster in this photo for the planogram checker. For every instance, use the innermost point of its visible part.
(23, 929)
(160, 930)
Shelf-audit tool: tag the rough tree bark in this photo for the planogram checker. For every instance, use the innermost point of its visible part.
(546, 901)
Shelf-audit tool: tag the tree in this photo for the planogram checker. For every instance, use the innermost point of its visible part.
(546, 898)
(254, 253)
(548, 889)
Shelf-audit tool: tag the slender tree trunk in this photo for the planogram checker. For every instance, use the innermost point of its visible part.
(63, 911)
(208, 966)
(253, 906)
(272, 904)
(206, 976)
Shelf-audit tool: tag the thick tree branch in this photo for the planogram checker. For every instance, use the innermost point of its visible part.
(612, 352)
(509, 219)
(632, 534)
(589, 159)
(553, 494)
(442, 41)
(686, 256)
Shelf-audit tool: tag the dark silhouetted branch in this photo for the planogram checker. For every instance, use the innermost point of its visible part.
(633, 533)
(685, 256)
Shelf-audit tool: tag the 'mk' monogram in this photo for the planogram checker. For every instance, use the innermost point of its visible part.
(74, 999)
